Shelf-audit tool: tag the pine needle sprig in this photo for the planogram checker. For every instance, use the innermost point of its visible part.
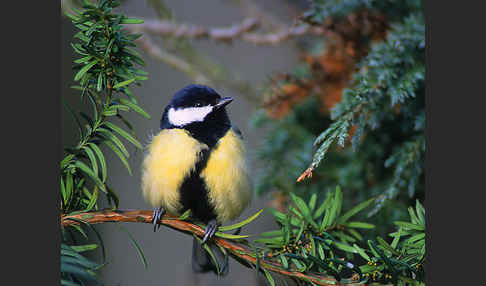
(107, 67)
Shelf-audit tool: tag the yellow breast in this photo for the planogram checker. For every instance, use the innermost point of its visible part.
(172, 155)
(226, 176)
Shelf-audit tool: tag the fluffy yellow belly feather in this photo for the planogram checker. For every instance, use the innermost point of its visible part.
(226, 176)
(173, 154)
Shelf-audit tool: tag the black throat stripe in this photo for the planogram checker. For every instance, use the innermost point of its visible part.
(194, 191)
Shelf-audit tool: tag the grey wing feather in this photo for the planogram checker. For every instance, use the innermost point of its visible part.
(237, 131)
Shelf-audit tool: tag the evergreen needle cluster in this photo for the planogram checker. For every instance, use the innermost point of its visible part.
(371, 143)
(105, 70)
(321, 238)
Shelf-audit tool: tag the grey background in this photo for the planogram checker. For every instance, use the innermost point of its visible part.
(168, 252)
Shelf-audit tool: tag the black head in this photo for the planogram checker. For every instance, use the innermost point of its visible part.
(200, 110)
(195, 95)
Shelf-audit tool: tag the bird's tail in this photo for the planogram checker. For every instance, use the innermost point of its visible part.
(202, 261)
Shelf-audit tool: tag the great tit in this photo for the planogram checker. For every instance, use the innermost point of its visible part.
(197, 161)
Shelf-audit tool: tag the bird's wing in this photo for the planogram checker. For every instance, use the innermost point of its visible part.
(237, 131)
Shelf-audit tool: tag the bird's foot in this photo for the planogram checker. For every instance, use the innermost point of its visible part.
(157, 216)
(211, 229)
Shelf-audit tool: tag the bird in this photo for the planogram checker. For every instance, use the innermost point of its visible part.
(197, 162)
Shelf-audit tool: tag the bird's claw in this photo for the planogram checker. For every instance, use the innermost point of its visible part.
(210, 230)
(156, 217)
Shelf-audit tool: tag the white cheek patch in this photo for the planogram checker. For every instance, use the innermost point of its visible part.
(184, 116)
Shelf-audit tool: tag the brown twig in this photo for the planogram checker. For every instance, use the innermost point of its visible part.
(284, 34)
(241, 31)
(169, 28)
(306, 174)
(238, 251)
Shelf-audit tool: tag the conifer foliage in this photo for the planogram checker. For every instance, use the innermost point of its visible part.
(351, 114)
(358, 99)
(322, 238)
(105, 69)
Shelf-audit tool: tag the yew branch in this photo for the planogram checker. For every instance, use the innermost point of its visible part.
(239, 251)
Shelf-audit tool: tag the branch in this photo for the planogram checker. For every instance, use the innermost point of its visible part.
(169, 28)
(239, 31)
(284, 34)
(242, 253)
